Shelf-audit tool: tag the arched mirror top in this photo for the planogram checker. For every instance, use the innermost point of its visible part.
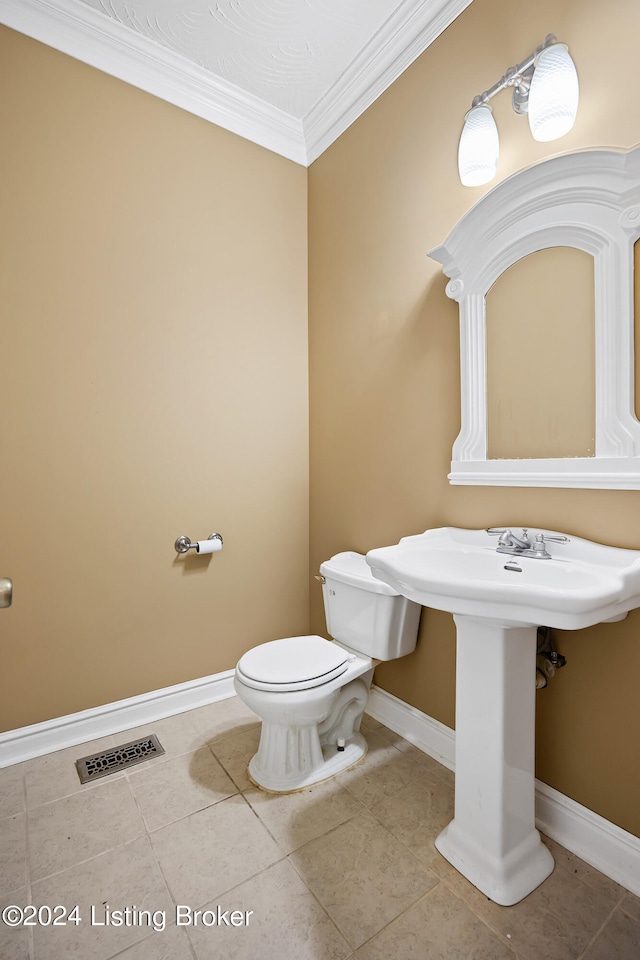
(577, 200)
(589, 200)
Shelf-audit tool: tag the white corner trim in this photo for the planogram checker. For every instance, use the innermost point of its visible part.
(99, 41)
(94, 38)
(607, 847)
(407, 34)
(40, 738)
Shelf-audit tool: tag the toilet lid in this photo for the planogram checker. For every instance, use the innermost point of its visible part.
(293, 663)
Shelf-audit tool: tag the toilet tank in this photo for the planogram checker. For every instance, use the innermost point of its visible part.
(366, 614)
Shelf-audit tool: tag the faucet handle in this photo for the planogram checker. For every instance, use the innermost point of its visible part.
(539, 547)
(506, 535)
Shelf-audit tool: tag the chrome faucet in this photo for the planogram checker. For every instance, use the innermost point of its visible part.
(523, 546)
(513, 543)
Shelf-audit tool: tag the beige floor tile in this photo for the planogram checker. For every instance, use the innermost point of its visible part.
(558, 920)
(438, 927)
(14, 941)
(369, 724)
(12, 796)
(217, 720)
(234, 751)
(179, 787)
(54, 775)
(13, 852)
(388, 735)
(280, 918)
(428, 764)
(423, 763)
(213, 850)
(416, 814)
(76, 828)
(295, 818)
(620, 938)
(590, 901)
(361, 876)
(606, 889)
(170, 944)
(631, 905)
(384, 770)
(177, 735)
(447, 775)
(123, 878)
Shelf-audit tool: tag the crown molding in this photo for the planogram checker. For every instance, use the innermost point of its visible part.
(94, 38)
(407, 34)
(86, 34)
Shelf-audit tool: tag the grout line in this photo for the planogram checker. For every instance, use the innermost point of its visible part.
(320, 904)
(601, 928)
(27, 847)
(502, 937)
(80, 863)
(402, 914)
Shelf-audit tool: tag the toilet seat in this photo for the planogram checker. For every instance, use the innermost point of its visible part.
(292, 663)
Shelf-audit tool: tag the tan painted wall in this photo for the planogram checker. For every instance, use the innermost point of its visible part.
(541, 332)
(385, 405)
(153, 383)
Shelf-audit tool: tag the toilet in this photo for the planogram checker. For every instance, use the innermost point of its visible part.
(310, 693)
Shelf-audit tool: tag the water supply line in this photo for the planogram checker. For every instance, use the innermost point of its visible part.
(548, 660)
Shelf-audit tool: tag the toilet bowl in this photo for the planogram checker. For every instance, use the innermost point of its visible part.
(310, 693)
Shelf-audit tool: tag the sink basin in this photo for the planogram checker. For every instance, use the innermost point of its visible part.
(498, 600)
(460, 571)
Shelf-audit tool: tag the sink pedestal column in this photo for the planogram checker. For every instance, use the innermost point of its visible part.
(492, 839)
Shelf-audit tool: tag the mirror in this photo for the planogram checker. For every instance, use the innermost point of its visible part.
(540, 358)
(577, 216)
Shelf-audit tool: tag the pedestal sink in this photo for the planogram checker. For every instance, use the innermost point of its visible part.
(498, 601)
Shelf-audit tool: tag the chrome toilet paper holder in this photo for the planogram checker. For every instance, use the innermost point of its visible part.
(183, 544)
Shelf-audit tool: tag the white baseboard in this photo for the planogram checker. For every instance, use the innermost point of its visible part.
(608, 848)
(431, 736)
(39, 738)
(601, 843)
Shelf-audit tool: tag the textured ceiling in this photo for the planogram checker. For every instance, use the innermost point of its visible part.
(290, 75)
(286, 52)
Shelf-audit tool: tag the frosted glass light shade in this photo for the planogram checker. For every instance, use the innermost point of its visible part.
(554, 93)
(479, 146)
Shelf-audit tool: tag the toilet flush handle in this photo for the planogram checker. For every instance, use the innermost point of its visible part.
(319, 577)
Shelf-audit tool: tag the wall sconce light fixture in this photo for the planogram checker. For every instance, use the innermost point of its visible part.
(545, 86)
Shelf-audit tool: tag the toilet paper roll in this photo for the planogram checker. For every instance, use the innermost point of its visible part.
(209, 546)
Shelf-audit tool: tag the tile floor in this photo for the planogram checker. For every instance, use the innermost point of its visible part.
(344, 871)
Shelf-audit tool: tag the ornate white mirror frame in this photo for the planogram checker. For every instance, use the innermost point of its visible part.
(589, 200)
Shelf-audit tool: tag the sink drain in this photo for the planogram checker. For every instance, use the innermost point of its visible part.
(118, 758)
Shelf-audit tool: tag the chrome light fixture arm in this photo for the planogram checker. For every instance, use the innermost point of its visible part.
(518, 77)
